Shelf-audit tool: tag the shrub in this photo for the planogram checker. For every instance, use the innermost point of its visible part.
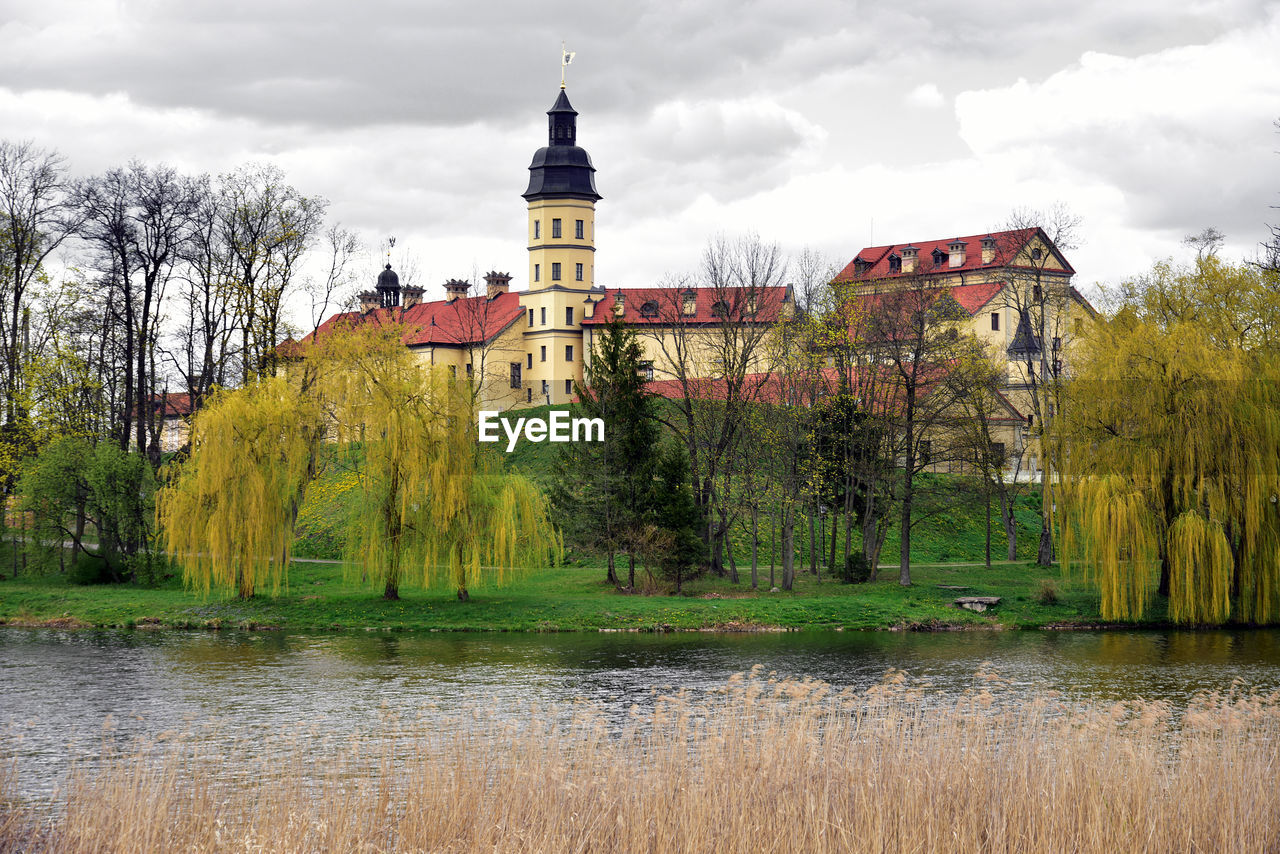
(1047, 594)
(857, 569)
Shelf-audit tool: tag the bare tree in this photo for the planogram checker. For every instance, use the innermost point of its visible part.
(341, 246)
(36, 216)
(712, 343)
(1039, 291)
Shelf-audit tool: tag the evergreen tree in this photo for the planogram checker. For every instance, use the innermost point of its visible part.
(603, 490)
(676, 515)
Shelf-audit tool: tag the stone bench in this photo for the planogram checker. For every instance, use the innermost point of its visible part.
(978, 603)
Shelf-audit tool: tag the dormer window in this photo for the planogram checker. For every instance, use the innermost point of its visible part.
(752, 303)
(649, 309)
(895, 264)
(689, 303)
(939, 258)
(720, 308)
(859, 266)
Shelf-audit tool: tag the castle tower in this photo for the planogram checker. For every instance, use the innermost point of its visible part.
(562, 205)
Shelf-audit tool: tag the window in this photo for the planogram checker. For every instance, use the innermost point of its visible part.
(568, 316)
(568, 386)
(720, 308)
(689, 303)
(895, 264)
(468, 369)
(529, 359)
(537, 229)
(568, 352)
(555, 271)
(531, 317)
(453, 372)
(1036, 293)
(939, 257)
(926, 450)
(578, 230)
(555, 228)
(529, 395)
(577, 272)
(546, 389)
(543, 355)
(537, 272)
(995, 321)
(997, 454)
(646, 371)
(1035, 254)
(544, 315)
(515, 375)
(649, 309)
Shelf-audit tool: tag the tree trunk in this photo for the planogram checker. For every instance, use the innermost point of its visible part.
(631, 571)
(1010, 523)
(788, 554)
(612, 576)
(733, 563)
(986, 497)
(463, 595)
(391, 592)
(1044, 557)
(813, 542)
(773, 548)
(755, 548)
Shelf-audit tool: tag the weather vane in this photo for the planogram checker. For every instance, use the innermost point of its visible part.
(566, 57)
(391, 244)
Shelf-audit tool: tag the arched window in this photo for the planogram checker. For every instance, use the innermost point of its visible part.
(649, 309)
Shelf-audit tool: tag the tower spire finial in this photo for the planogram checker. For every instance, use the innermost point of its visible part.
(566, 57)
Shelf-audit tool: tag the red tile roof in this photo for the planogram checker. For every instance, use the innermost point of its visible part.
(972, 298)
(172, 405)
(459, 322)
(769, 388)
(666, 305)
(1008, 244)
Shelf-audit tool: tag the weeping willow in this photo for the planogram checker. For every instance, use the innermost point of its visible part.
(432, 506)
(227, 511)
(1169, 453)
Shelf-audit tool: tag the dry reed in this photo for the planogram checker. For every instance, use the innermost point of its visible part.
(762, 765)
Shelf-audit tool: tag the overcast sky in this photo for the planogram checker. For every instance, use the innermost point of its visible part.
(811, 122)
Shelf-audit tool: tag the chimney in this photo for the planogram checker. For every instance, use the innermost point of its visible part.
(910, 257)
(455, 288)
(411, 296)
(988, 249)
(957, 253)
(619, 304)
(368, 301)
(496, 283)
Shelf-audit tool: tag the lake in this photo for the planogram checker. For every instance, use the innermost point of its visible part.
(65, 694)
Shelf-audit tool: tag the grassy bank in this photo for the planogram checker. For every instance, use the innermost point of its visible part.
(759, 765)
(565, 599)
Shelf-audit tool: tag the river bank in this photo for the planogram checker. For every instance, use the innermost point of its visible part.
(574, 598)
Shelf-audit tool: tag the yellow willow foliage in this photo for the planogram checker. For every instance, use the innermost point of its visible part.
(431, 501)
(227, 512)
(1200, 566)
(1189, 430)
(1115, 537)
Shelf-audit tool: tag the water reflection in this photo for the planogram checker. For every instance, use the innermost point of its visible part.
(58, 687)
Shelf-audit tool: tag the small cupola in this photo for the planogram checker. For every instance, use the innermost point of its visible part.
(411, 296)
(388, 288)
(619, 304)
(956, 249)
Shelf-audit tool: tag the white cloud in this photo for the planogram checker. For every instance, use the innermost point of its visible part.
(926, 95)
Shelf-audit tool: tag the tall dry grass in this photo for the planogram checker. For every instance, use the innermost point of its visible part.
(762, 765)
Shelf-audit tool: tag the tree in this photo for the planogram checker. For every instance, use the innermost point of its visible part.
(605, 490)
(676, 514)
(73, 483)
(719, 366)
(431, 497)
(433, 507)
(1039, 292)
(1170, 446)
(227, 512)
(36, 216)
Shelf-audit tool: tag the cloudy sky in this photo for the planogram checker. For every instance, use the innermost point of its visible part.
(813, 123)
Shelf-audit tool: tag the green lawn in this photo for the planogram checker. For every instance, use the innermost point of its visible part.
(565, 598)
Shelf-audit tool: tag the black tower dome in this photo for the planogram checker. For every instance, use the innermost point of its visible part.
(388, 288)
(562, 170)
